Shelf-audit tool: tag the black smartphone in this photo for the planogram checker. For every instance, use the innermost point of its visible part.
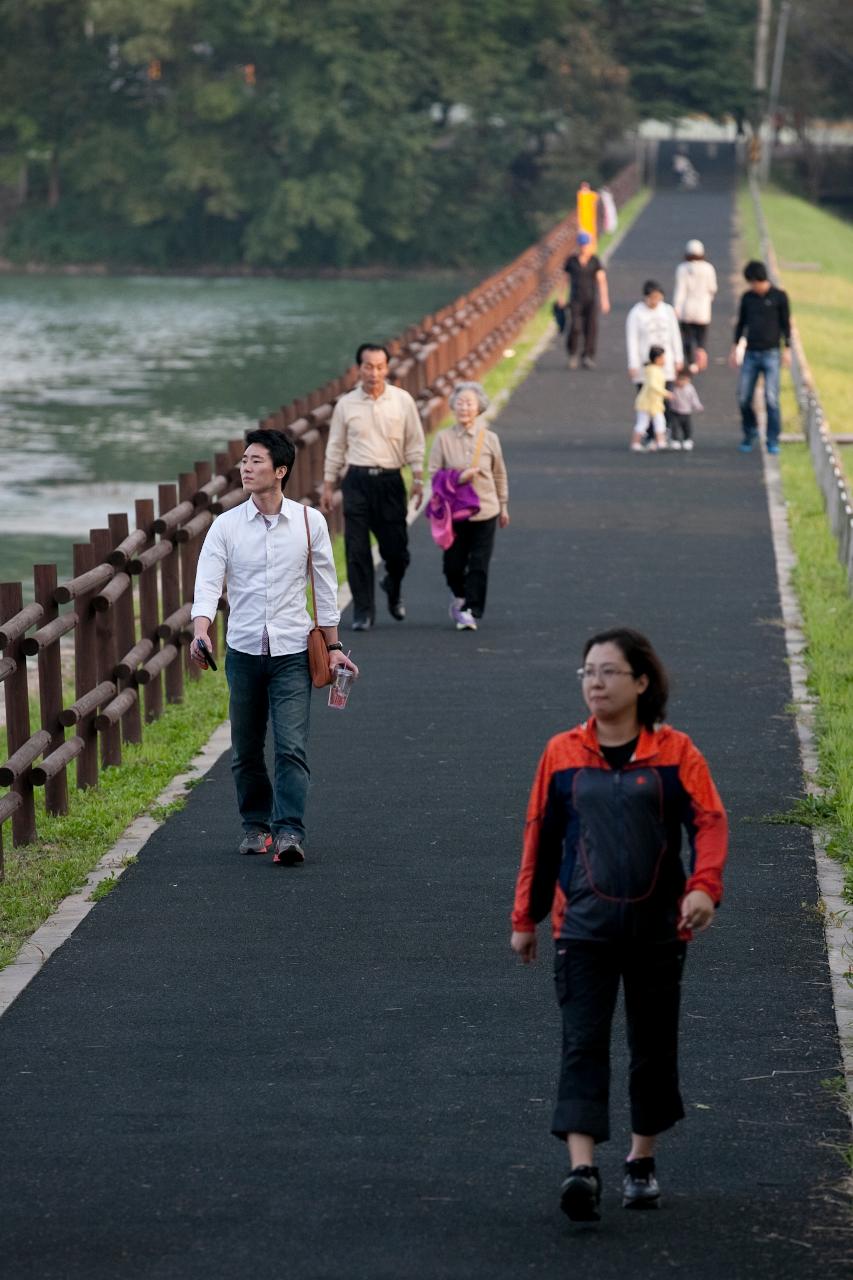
(207, 655)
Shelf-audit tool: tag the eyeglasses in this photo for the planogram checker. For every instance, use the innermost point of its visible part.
(605, 673)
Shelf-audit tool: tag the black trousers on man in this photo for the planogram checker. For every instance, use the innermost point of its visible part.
(587, 976)
(582, 319)
(466, 562)
(374, 502)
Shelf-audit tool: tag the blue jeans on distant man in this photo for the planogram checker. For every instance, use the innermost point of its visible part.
(756, 363)
(264, 688)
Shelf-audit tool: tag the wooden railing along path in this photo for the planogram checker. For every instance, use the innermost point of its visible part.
(128, 603)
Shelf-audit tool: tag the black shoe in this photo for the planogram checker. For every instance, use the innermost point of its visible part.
(396, 608)
(361, 624)
(640, 1188)
(580, 1194)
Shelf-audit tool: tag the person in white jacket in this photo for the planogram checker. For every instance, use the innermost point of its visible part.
(653, 323)
(695, 290)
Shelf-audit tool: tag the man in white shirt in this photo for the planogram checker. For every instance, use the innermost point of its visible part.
(375, 430)
(261, 548)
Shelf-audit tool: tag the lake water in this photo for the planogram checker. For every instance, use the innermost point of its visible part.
(111, 386)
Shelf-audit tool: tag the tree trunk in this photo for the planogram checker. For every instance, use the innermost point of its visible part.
(53, 186)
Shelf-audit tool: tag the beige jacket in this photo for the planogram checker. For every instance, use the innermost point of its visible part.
(453, 449)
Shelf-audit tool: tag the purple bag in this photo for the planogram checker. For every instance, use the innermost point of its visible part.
(450, 501)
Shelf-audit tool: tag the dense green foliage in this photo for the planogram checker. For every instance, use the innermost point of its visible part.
(686, 55)
(278, 133)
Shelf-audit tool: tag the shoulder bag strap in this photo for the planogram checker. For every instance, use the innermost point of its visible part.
(478, 448)
(311, 568)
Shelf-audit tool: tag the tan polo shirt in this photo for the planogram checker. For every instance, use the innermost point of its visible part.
(453, 449)
(364, 432)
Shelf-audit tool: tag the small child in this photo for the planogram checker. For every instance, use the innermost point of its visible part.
(649, 403)
(683, 401)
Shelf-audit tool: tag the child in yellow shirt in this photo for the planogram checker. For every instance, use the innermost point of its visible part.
(649, 403)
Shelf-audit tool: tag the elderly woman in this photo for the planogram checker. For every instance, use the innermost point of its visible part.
(469, 454)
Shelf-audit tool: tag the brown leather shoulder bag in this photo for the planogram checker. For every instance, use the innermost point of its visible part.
(318, 654)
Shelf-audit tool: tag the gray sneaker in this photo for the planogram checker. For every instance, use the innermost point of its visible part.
(287, 851)
(256, 842)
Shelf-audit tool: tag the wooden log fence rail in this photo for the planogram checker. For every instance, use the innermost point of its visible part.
(130, 593)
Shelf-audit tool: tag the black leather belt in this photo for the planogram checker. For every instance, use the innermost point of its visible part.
(378, 471)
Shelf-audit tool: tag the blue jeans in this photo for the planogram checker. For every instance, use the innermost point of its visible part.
(265, 688)
(754, 364)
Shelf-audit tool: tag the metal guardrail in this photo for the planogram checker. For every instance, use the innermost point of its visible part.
(131, 591)
(828, 469)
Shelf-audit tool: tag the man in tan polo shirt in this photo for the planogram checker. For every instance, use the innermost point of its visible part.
(374, 432)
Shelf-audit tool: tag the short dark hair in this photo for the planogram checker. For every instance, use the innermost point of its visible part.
(754, 271)
(641, 658)
(652, 286)
(371, 346)
(654, 353)
(280, 447)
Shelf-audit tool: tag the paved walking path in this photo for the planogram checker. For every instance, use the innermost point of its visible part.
(339, 1072)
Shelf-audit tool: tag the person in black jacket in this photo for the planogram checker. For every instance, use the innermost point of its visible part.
(764, 320)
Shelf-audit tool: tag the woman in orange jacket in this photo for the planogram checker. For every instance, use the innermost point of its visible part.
(602, 854)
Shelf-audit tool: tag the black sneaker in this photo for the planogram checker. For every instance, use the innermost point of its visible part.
(256, 842)
(640, 1188)
(396, 608)
(580, 1194)
(287, 851)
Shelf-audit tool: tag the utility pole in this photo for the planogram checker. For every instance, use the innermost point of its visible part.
(775, 85)
(759, 80)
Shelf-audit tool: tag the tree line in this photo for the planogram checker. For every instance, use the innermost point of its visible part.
(286, 133)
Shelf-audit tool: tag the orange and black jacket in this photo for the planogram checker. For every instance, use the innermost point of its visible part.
(602, 847)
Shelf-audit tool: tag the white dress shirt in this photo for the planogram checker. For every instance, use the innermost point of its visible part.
(385, 432)
(266, 570)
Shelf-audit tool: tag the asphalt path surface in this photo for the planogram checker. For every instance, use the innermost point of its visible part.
(340, 1071)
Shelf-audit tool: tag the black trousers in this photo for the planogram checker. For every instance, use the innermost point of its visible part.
(680, 425)
(374, 504)
(587, 976)
(466, 561)
(582, 318)
(692, 337)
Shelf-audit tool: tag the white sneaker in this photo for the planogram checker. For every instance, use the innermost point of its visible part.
(466, 621)
(688, 445)
(662, 443)
(675, 444)
(637, 447)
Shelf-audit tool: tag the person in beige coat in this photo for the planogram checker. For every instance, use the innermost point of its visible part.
(695, 290)
(470, 448)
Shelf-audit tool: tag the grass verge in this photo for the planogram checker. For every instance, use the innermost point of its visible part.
(827, 609)
(39, 876)
(815, 252)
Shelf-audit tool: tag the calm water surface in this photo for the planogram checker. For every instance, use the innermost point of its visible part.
(109, 387)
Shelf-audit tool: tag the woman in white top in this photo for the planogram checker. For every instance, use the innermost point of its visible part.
(695, 289)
